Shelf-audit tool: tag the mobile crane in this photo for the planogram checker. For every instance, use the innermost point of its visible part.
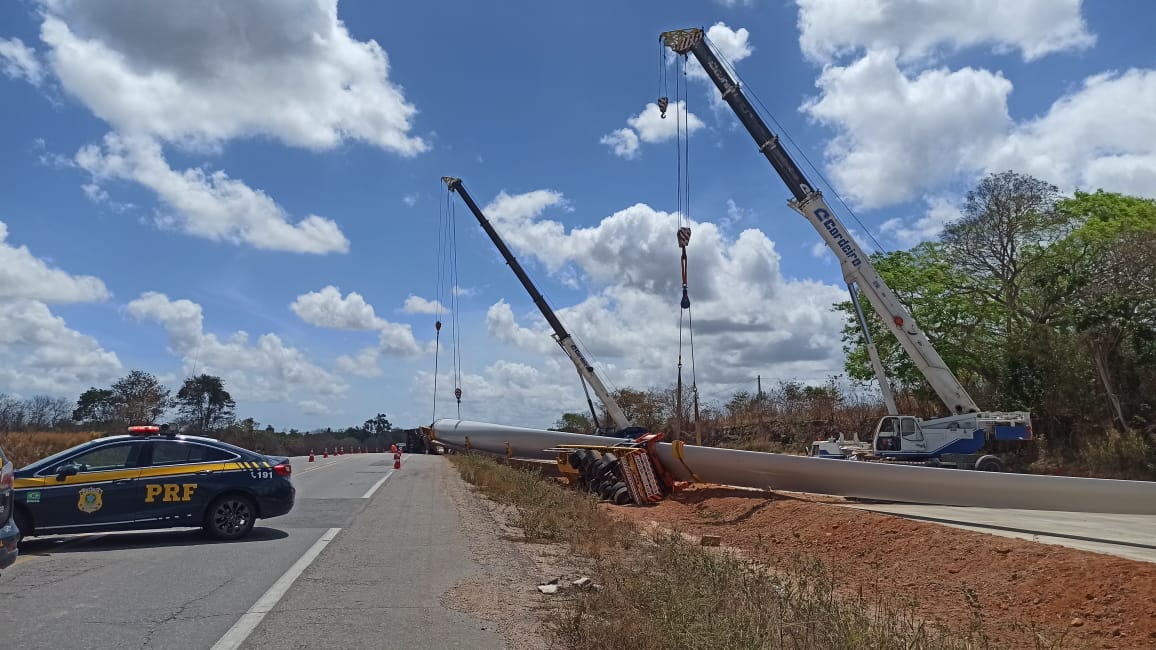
(964, 439)
(622, 426)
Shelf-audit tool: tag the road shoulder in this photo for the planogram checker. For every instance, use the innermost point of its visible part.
(378, 584)
(505, 589)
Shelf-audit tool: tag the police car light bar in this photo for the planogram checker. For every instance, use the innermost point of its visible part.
(144, 428)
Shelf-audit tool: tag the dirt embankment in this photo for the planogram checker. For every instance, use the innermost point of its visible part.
(1019, 588)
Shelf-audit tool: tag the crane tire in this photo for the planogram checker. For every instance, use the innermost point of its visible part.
(989, 463)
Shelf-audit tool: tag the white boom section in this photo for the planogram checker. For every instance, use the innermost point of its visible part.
(857, 270)
(592, 378)
(809, 202)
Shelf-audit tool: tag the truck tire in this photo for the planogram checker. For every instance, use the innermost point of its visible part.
(989, 463)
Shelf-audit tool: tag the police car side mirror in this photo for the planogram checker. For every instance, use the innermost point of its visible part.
(66, 470)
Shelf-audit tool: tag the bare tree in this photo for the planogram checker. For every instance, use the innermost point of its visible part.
(1008, 220)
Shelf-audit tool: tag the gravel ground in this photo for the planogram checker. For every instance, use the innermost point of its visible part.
(1086, 598)
(505, 590)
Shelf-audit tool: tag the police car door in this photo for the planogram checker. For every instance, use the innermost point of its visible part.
(179, 478)
(95, 488)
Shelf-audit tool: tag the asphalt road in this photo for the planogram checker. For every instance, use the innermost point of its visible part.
(1128, 536)
(180, 589)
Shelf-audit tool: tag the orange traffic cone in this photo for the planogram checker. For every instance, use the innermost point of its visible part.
(396, 462)
(311, 455)
(325, 452)
(393, 448)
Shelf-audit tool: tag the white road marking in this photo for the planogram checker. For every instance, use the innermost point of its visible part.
(320, 466)
(370, 491)
(252, 618)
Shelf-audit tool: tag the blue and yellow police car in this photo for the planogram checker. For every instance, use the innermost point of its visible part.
(151, 479)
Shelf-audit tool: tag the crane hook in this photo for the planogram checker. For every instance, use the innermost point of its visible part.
(663, 102)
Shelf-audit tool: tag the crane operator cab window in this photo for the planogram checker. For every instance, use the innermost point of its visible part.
(887, 437)
(909, 429)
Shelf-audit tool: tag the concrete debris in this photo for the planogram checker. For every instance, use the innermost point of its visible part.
(582, 583)
(549, 590)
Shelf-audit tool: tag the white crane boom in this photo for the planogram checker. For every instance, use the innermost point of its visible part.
(808, 201)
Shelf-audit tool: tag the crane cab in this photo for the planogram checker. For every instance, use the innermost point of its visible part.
(897, 434)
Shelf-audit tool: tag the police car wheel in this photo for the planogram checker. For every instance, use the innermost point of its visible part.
(230, 517)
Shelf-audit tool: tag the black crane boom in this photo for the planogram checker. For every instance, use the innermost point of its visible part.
(455, 185)
(692, 40)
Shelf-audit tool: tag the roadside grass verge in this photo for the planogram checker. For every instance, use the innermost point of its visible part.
(662, 591)
(1129, 455)
(24, 447)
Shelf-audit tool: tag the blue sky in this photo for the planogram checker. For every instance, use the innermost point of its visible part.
(172, 176)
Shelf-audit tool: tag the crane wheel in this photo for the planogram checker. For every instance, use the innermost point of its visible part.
(621, 495)
(989, 463)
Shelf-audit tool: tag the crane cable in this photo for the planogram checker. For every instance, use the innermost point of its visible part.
(686, 317)
(454, 306)
(447, 284)
(438, 300)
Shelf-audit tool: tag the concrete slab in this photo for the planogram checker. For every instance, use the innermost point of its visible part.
(1127, 536)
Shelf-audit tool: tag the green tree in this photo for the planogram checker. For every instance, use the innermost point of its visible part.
(1008, 221)
(140, 398)
(205, 403)
(96, 406)
(378, 425)
(642, 408)
(964, 330)
(574, 423)
(1105, 287)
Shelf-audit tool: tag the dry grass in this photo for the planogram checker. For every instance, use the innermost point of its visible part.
(546, 512)
(1129, 455)
(26, 447)
(666, 592)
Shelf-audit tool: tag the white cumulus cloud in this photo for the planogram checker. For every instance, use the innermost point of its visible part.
(649, 126)
(940, 212)
(897, 134)
(418, 305)
(733, 45)
(623, 142)
(264, 370)
(749, 319)
(362, 364)
(23, 275)
(18, 61)
(287, 69)
(175, 74)
(208, 204)
(39, 353)
(917, 28)
(328, 308)
(1102, 135)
